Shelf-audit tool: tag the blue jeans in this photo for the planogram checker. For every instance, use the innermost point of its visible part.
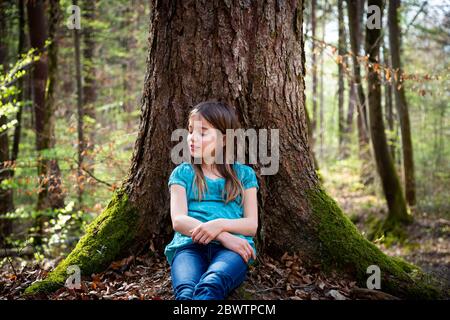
(206, 272)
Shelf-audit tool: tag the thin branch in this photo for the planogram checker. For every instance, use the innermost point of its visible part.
(95, 178)
(422, 7)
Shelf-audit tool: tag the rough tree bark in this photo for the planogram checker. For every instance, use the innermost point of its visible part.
(401, 103)
(251, 55)
(391, 185)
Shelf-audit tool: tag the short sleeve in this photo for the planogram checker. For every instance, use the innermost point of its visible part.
(249, 179)
(178, 176)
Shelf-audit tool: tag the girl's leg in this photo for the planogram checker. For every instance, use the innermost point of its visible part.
(226, 272)
(188, 265)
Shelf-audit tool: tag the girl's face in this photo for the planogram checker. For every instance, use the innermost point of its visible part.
(203, 139)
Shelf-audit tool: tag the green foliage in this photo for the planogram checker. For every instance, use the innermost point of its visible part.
(9, 103)
(105, 239)
(62, 229)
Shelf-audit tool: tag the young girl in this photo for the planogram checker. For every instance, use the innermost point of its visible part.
(214, 211)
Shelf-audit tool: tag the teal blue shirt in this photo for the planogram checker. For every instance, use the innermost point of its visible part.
(212, 205)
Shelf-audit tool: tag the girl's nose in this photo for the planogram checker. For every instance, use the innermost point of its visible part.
(194, 137)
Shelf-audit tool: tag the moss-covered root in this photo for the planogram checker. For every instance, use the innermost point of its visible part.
(344, 248)
(106, 237)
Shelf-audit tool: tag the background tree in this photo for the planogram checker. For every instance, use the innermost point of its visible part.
(22, 45)
(6, 195)
(314, 116)
(401, 102)
(49, 195)
(89, 75)
(355, 11)
(81, 146)
(326, 8)
(391, 185)
(388, 105)
(341, 86)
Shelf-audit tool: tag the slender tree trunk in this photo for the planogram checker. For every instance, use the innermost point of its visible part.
(128, 65)
(312, 120)
(22, 94)
(401, 103)
(6, 195)
(352, 99)
(388, 101)
(321, 124)
(55, 182)
(391, 185)
(314, 67)
(80, 114)
(89, 77)
(354, 13)
(48, 172)
(310, 139)
(266, 85)
(350, 113)
(341, 87)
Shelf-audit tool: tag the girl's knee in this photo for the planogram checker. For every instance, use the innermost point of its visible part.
(212, 286)
(184, 291)
(216, 285)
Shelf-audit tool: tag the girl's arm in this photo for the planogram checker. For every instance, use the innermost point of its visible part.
(181, 222)
(246, 226)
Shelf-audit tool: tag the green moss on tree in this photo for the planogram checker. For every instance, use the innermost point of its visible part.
(345, 248)
(105, 239)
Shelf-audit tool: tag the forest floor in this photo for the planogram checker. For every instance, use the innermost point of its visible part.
(148, 277)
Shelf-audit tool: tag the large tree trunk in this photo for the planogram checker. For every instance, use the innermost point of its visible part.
(386, 169)
(401, 103)
(266, 85)
(49, 195)
(354, 17)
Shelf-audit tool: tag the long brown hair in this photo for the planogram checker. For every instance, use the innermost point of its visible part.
(221, 117)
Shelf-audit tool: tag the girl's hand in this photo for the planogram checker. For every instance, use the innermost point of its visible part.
(206, 232)
(238, 245)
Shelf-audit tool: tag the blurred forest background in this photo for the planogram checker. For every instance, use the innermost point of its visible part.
(70, 106)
